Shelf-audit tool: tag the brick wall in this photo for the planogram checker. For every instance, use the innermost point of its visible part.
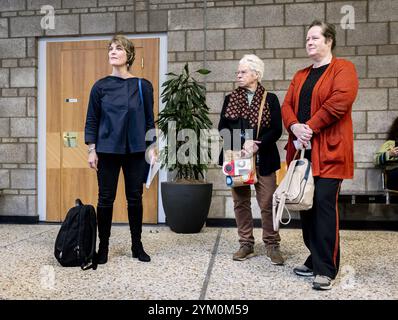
(273, 29)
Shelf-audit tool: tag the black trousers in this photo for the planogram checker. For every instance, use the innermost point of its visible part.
(320, 227)
(134, 169)
(392, 179)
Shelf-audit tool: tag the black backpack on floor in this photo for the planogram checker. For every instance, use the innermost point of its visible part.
(76, 240)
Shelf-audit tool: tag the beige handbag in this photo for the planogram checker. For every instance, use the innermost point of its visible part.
(295, 192)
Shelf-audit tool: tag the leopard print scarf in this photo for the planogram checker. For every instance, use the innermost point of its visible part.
(238, 107)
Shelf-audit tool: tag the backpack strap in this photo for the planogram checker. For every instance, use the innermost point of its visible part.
(93, 263)
(80, 249)
(140, 90)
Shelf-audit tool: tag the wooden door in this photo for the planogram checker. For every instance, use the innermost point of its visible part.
(72, 69)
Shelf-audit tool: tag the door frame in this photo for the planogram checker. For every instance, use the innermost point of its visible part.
(41, 112)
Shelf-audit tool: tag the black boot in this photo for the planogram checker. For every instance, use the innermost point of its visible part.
(135, 223)
(104, 222)
(138, 252)
(103, 250)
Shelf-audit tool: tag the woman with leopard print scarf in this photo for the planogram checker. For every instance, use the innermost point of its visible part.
(240, 114)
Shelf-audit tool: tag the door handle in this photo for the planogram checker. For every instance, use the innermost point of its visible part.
(70, 139)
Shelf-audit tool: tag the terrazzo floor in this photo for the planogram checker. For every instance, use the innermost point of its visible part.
(192, 266)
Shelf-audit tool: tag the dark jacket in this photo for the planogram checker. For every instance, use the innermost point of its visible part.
(117, 120)
(269, 160)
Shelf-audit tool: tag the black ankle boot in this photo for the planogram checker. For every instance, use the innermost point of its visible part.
(138, 252)
(102, 256)
(104, 221)
(135, 222)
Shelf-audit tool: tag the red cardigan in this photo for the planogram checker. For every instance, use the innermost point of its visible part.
(331, 104)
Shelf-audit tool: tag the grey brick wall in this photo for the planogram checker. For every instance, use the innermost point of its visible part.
(273, 29)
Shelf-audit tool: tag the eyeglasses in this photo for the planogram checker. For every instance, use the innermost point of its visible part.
(243, 72)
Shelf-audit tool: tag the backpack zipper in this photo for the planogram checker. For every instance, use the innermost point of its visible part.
(77, 250)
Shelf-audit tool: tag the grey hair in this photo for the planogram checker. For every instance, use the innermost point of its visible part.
(254, 63)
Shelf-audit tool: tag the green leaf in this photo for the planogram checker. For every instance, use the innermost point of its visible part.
(184, 101)
(203, 71)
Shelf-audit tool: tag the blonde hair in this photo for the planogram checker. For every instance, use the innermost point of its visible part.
(127, 46)
(254, 63)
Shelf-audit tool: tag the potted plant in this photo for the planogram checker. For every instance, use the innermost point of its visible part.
(186, 199)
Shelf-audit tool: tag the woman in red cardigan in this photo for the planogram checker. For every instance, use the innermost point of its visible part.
(317, 115)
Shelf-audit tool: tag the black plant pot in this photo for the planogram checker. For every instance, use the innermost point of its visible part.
(186, 205)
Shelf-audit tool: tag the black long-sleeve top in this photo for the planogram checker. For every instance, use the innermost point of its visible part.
(269, 160)
(304, 110)
(117, 120)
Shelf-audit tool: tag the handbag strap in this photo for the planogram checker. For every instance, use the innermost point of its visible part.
(279, 206)
(302, 153)
(140, 90)
(260, 112)
(289, 175)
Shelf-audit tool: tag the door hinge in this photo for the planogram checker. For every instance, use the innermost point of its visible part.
(142, 63)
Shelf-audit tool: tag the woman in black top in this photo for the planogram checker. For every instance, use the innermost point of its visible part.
(317, 115)
(118, 117)
(240, 112)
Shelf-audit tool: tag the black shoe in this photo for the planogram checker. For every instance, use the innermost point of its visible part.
(303, 271)
(102, 256)
(139, 252)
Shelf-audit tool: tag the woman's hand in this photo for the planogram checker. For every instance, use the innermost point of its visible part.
(93, 160)
(250, 147)
(303, 133)
(152, 155)
(393, 152)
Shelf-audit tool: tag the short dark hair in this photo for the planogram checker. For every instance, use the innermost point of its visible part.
(328, 30)
(127, 45)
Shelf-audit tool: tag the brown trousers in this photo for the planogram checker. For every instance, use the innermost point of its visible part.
(265, 188)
